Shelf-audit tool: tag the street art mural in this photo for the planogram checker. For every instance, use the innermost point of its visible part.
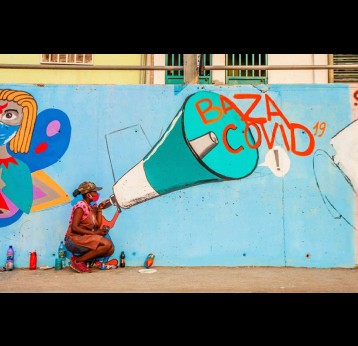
(29, 142)
(236, 175)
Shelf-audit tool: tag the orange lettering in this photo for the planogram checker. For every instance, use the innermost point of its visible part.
(259, 136)
(232, 105)
(246, 115)
(209, 108)
(273, 136)
(277, 113)
(227, 145)
(311, 143)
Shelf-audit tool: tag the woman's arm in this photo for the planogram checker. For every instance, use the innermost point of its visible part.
(103, 205)
(99, 215)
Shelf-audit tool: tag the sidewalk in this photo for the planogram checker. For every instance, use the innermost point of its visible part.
(182, 280)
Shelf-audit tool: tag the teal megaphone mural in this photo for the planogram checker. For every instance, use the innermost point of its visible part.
(207, 141)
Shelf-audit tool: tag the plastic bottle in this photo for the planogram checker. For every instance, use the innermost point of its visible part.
(122, 260)
(62, 253)
(33, 260)
(10, 258)
(149, 260)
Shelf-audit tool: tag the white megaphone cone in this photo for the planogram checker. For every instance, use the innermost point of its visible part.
(134, 187)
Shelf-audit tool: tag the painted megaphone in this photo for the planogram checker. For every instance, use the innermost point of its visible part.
(207, 141)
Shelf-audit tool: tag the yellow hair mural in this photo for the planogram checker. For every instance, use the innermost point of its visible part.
(21, 141)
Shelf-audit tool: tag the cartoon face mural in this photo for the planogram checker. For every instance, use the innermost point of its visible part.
(10, 120)
(29, 142)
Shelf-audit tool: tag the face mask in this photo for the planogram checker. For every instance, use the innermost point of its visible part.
(95, 198)
(7, 132)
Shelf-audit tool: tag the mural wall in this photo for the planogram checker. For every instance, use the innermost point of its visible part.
(225, 176)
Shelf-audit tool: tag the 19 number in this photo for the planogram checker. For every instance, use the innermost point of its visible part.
(320, 127)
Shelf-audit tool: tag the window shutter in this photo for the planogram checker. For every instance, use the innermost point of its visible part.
(246, 76)
(73, 59)
(345, 76)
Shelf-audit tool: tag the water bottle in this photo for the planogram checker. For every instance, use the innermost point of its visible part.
(33, 260)
(62, 254)
(10, 258)
(122, 260)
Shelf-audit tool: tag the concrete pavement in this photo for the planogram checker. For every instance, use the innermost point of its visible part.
(182, 280)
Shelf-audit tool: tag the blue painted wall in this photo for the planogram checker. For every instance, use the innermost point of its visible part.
(263, 219)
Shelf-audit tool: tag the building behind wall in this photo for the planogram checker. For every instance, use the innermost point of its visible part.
(36, 69)
(31, 71)
(231, 77)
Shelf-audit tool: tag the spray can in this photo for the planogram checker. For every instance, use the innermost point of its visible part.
(149, 260)
(33, 260)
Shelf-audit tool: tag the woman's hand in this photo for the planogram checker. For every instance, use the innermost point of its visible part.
(101, 231)
(104, 204)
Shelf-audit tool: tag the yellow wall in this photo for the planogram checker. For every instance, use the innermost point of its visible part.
(35, 76)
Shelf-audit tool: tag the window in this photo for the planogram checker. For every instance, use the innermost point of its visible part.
(177, 77)
(246, 76)
(72, 59)
(345, 76)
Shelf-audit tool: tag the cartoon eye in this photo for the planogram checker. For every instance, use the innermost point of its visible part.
(10, 116)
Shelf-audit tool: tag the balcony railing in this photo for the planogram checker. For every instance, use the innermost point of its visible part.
(177, 68)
